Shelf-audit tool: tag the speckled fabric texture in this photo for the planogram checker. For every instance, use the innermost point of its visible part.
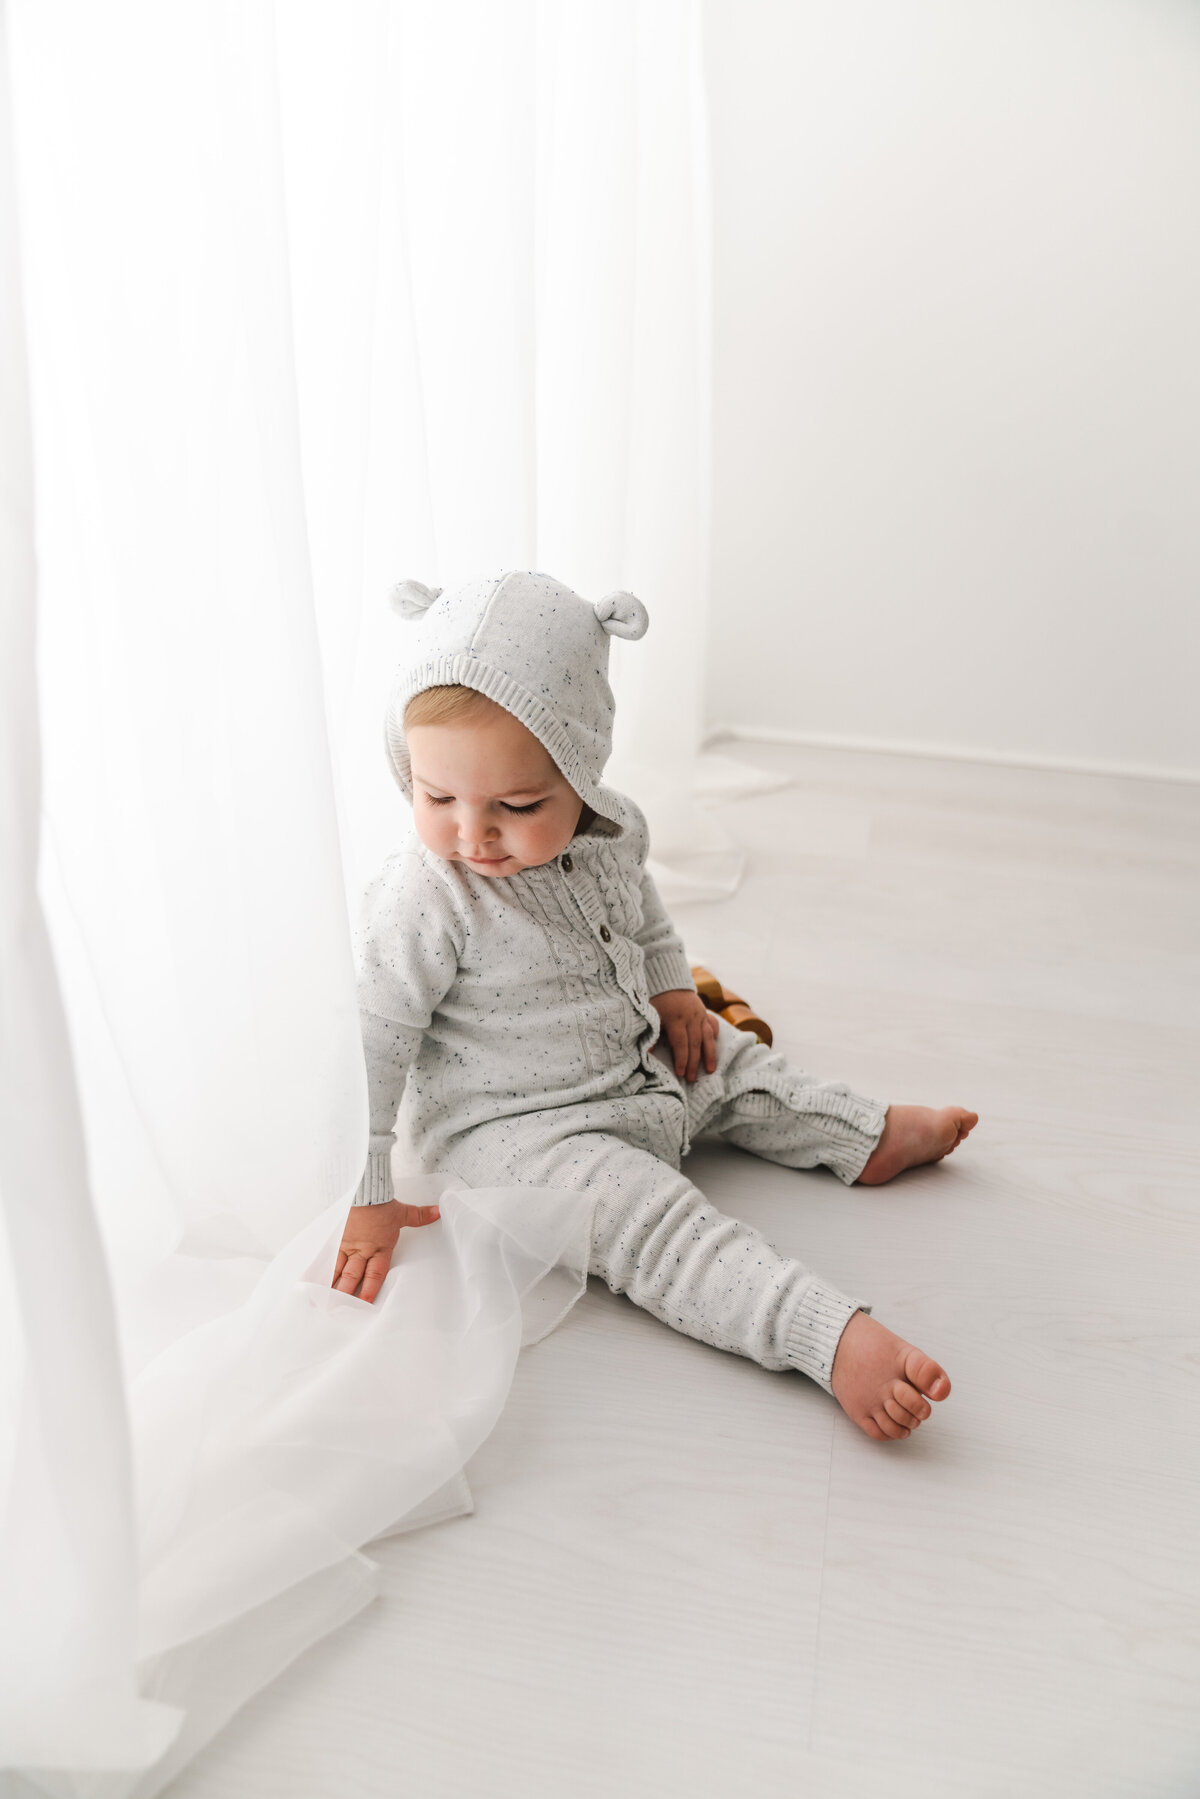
(513, 1017)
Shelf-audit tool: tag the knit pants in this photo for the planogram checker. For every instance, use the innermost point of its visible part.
(656, 1237)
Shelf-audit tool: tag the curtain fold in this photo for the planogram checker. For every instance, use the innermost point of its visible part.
(68, 1588)
(317, 297)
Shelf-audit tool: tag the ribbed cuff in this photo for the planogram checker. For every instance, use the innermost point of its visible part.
(816, 1330)
(854, 1125)
(375, 1187)
(667, 969)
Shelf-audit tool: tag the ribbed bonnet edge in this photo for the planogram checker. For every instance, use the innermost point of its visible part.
(467, 671)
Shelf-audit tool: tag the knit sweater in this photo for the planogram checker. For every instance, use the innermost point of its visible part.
(485, 998)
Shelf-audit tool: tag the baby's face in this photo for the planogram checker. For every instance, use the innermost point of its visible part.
(486, 793)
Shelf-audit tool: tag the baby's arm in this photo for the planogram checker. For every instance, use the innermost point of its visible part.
(390, 1046)
(667, 967)
(687, 1024)
(410, 946)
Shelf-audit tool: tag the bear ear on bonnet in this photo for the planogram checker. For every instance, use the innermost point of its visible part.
(622, 615)
(411, 598)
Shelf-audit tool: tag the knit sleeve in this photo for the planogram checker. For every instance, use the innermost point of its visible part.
(666, 960)
(410, 941)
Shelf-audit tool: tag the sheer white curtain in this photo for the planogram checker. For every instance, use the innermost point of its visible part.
(68, 1601)
(317, 296)
(501, 298)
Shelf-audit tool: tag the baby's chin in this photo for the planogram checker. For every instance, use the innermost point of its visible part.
(492, 865)
(499, 866)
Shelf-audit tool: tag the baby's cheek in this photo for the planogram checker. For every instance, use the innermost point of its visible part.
(433, 831)
(543, 839)
(542, 844)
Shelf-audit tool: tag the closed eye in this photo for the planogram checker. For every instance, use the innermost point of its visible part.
(522, 811)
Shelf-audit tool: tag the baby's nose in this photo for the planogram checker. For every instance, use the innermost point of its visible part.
(475, 832)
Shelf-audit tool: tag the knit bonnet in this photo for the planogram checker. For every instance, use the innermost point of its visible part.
(535, 648)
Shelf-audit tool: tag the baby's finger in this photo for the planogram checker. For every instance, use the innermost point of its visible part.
(351, 1274)
(421, 1215)
(377, 1269)
(710, 1043)
(678, 1037)
(695, 1039)
(338, 1266)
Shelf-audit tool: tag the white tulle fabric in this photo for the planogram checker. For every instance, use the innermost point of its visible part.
(280, 1426)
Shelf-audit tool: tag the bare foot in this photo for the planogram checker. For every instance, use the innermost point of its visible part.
(913, 1135)
(881, 1382)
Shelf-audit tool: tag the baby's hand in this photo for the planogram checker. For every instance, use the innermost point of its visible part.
(368, 1242)
(689, 1028)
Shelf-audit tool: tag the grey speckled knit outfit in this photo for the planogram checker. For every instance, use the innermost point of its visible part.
(513, 1017)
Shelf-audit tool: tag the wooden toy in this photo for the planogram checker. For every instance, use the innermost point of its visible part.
(730, 1006)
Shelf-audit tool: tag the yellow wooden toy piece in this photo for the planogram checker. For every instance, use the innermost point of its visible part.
(730, 1006)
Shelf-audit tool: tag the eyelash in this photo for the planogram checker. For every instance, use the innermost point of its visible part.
(447, 799)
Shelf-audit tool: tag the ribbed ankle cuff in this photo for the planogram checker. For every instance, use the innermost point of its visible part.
(816, 1330)
(375, 1187)
(851, 1146)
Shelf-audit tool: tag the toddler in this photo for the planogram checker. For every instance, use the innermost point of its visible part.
(518, 970)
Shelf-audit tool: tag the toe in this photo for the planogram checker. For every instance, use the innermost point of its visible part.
(926, 1375)
(900, 1414)
(911, 1400)
(950, 1129)
(889, 1426)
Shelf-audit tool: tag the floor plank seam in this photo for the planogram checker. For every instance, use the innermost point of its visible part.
(816, 1669)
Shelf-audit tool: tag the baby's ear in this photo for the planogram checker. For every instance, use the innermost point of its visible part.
(410, 599)
(622, 615)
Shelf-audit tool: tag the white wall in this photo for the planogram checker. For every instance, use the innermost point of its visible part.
(957, 373)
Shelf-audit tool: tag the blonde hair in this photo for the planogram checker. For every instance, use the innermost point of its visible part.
(444, 706)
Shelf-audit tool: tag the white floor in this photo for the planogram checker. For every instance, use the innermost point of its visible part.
(686, 1576)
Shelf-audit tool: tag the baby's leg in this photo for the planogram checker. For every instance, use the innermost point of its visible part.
(657, 1239)
(661, 1242)
(757, 1100)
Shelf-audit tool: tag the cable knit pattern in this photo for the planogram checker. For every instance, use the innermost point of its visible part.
(504, 995)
